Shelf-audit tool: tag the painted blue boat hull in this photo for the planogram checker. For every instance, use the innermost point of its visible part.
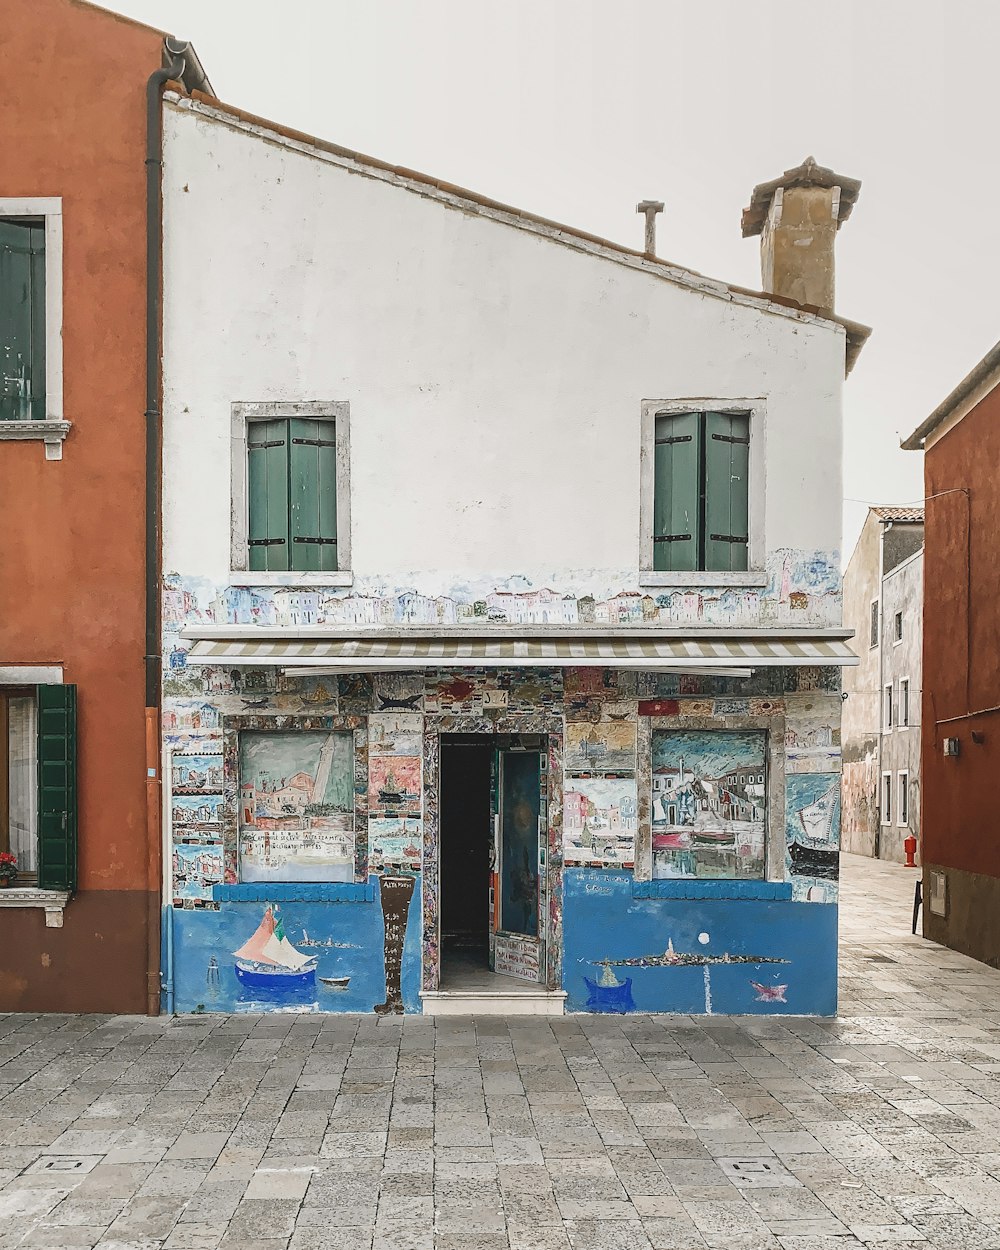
(276, 981)
(617, 998)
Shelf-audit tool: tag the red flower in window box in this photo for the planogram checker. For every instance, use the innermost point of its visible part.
(8, 867)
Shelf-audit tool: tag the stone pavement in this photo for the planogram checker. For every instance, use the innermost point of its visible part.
(582, 1133)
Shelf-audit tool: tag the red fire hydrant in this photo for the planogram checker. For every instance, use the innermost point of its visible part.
(910, 847)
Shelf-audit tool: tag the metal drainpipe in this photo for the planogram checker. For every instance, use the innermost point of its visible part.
(154, 254)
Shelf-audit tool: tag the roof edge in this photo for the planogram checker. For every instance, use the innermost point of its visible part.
(973, 380)
(856, 333)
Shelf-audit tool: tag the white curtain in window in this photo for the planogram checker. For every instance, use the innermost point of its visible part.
(22, 768)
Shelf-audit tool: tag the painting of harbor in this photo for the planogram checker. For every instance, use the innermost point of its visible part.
(709, 794)
(394, 784)
(608, 747)
(296, 806)
(599, 820)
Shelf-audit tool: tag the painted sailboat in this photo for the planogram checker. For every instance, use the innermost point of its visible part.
(267, 960)
(817, 819)
(609, 993)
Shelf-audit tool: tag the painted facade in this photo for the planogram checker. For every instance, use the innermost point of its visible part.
(883, 602)
(485, 424)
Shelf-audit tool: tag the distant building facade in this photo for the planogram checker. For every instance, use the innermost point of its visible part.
(883, 592)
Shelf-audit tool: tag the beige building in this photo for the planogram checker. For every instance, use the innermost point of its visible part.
(883, 599)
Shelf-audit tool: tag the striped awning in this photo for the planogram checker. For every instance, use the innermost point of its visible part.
(388, 652)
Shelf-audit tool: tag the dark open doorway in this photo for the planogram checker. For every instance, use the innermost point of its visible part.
(465, 843)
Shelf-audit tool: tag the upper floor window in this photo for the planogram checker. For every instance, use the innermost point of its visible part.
(701, 516)
(22, 319)
(873, 633)
(897, 627)
(904, 701)
(31, 380)
(291, 493)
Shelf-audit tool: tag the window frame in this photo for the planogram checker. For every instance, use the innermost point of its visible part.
(903, 703)
(885, 804)
(53, 429)
(243, 414)
(897, 634)
(874, 618)
(887, 702)
(756, 410)
(8, 692)
(903, 798)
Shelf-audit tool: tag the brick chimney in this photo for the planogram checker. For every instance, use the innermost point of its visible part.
(797, 217)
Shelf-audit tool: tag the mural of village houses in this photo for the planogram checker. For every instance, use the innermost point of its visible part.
(195, 870)
(196, 774)
(296, 806)
(709, 803)
(802, 588)
(599, 821)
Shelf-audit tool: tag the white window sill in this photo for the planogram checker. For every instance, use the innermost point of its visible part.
(240, 577)
(53, 901)
(51, 433)
(752, 577)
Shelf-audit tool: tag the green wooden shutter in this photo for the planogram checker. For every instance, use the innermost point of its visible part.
(267, 481)
(22, 321)
(676, 489)
(56, 787)
(727, 461)
(312, 495)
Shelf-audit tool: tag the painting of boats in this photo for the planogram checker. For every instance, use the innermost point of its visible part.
(608, 747)
(268, 961)
(335, 983)
(814, 861)
(812, 832)
(394, 784)
(608, 993)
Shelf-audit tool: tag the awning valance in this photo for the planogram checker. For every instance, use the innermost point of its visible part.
(721, 652)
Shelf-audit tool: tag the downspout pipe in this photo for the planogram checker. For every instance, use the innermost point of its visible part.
(154, 256)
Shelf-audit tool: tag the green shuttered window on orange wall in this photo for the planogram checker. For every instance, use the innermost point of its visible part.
(292, 479)
(56, 787)
(701, 492)
(22, 320)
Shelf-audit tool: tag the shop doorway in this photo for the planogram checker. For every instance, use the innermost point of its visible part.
(493, 823)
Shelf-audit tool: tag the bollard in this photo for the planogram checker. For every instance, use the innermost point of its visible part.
(910, 847)
(918, 898)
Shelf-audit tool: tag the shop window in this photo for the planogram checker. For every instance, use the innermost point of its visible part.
(297, 806)
(709, 816)
(38, 783)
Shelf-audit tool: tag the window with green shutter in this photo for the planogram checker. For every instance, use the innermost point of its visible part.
(292, 495)
(22, 320)
(38, 783)
(701, 491)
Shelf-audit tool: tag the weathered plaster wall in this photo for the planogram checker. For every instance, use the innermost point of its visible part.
(862, 683)
(72, 124)
(495, 378)
(902, 591)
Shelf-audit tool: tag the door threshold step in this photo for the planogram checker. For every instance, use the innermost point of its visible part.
(493, 1002)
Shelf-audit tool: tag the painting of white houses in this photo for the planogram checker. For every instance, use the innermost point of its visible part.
(296, 806)
(709, 803)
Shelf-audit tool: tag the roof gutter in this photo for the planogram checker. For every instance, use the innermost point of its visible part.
(174, 69)
(968, 386)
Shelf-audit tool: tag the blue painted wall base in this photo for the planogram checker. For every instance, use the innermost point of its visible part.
(715, 955)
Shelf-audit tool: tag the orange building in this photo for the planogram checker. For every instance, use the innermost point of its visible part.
(79, 924)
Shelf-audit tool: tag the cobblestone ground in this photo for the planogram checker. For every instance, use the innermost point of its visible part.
(584, 1133)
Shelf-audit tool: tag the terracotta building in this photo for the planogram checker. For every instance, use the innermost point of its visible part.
(79, 924)
(961, 664)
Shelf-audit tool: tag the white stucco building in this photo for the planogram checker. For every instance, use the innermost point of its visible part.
(495, 479)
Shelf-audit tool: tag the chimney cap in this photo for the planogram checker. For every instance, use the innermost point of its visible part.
(808, 174)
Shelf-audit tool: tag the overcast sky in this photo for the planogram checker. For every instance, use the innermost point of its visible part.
(577, 109)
